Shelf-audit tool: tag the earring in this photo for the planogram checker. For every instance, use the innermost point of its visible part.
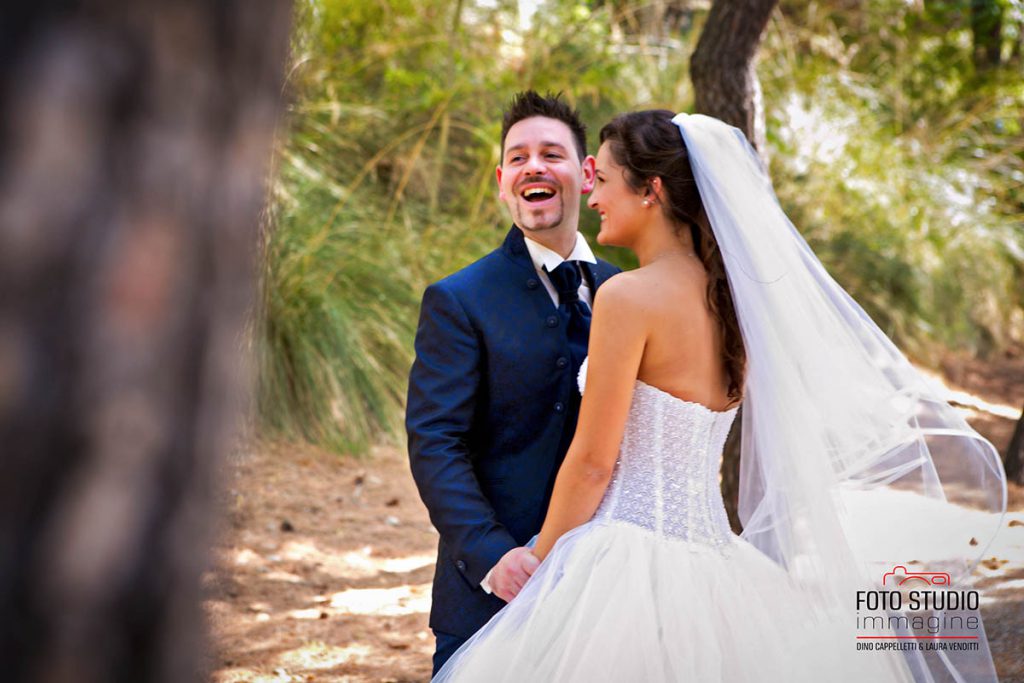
(647, 202)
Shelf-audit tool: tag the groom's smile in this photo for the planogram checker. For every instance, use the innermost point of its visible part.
(535, 193)
(540, 196)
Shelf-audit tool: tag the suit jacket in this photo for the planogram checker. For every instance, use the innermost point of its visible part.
(491, 411)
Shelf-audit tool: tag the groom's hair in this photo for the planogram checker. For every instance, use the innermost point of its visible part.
(530, 103)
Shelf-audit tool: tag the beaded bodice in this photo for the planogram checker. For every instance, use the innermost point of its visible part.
(666, 476)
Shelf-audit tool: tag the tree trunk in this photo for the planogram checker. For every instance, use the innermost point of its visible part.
(722, 67)
(730, 472)
(1017, 53)
(726, 86)
(1014, 461)
(986, 33)
(134, 138)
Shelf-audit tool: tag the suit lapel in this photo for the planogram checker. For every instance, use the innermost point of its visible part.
(515, 250)
(595, 275)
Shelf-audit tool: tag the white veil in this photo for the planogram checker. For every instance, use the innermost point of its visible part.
(852, 462)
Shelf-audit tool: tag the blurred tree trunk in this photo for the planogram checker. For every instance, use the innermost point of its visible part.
(986, 33)
(723, 65)
(1014, 461)
(134, 144)
(726, 86)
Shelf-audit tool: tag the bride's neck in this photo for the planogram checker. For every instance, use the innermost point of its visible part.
(661, 240)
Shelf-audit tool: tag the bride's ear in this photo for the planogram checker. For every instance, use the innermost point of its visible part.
(655, 191)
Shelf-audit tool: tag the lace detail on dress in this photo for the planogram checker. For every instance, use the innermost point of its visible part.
(666, 477)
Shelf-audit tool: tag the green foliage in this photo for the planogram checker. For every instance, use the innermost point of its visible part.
(900, 162)
(902, 165)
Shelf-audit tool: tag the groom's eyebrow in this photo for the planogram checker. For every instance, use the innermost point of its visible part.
(544, 143)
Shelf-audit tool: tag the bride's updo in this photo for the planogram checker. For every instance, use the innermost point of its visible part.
(646, 144)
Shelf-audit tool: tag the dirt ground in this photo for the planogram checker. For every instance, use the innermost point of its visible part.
(323, 568)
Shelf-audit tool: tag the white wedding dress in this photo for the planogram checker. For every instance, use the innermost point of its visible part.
(657, 587)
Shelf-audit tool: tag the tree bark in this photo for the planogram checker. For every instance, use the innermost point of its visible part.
(726, 86)
(722, 67)
(134, 138)
(1014, 460)
(986, 33)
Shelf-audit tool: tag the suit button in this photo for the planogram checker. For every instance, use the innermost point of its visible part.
(562, 363)
(532, 284)
(559, 407)
(461, 565)
(552, 321)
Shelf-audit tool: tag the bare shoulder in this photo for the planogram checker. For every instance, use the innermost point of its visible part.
(625, 300)
(623, 290)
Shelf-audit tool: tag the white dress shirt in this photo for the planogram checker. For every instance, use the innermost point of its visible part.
(543, 257)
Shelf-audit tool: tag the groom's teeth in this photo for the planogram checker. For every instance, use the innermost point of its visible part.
(538, 191)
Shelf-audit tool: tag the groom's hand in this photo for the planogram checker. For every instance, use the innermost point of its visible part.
(512, 571)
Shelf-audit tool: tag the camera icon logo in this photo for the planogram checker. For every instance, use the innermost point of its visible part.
(899, 576)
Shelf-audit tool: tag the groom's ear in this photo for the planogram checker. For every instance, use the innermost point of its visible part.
(501, 193)
(589, 173)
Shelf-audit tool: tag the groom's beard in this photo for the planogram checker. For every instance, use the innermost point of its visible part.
(526, 219)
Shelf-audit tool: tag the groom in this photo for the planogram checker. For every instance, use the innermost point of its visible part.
(493, 398)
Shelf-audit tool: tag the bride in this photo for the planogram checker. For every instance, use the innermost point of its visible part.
(851, 463)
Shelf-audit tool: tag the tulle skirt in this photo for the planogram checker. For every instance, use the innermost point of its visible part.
(615, 602)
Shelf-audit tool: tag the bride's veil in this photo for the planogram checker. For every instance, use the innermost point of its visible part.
(853, 465)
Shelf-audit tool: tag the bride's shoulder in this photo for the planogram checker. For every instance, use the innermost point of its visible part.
(625, 285)
(625, 293)
(642, 283)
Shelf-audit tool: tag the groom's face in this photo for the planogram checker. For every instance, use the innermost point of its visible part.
(541, 177)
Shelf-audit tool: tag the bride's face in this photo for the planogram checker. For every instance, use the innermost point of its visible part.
(620, 206)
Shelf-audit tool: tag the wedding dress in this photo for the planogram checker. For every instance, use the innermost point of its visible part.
(657, 587)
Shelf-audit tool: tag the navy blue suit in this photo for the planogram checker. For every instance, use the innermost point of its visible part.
(491, 411)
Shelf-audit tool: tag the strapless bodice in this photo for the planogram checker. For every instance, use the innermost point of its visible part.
(666, 476)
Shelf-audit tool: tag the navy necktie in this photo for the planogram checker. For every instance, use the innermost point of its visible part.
(567, 278)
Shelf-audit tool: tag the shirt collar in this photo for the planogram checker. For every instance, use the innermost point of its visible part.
(543, 257)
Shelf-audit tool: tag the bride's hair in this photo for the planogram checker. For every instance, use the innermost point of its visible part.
(647, 144)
